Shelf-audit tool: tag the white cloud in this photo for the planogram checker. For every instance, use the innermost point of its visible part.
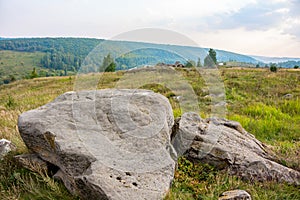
(282, 10)
(179, 10)
(256, 42)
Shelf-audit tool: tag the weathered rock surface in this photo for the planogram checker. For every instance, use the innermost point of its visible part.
(226, 145)
(5, 147)
(108, 144)
(235, 195)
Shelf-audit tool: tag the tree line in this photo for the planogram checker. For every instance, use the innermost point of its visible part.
(61, 61)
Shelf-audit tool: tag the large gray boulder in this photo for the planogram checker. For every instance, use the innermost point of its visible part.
(226, 145)
(107, 144)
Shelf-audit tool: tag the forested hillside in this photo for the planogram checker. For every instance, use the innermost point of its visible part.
(60, 53)
(76, 46)
(289, 64)
(67, 54)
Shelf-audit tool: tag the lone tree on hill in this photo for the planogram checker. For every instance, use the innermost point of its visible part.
(108, 64)
(190, 63)
(296, 67)
(33, 73)
(211, 59)
(199, 63)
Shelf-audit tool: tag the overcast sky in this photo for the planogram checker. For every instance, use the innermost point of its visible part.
(253, 27)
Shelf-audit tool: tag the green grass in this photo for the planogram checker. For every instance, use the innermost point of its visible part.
(254, 98)
(18, 64)
(19, 183)
(201, 181)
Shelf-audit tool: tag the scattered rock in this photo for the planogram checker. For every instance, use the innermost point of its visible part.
(235, 195)
(107, 144)
(5, 147)
(178, 64)
(226, 145)
(288, 96)
(177, 98)
(221, 104)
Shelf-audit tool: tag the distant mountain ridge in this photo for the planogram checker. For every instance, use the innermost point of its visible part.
(266, 59)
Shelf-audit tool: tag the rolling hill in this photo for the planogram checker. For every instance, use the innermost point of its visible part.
(17, 65)
(66, 56)
(81, 47)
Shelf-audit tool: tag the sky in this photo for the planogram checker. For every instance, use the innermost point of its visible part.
(252, 27)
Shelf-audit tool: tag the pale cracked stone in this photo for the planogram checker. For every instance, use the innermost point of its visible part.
(108, 144)
(235, 195)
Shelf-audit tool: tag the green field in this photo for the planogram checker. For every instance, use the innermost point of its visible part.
(254, 98)
(18, 64)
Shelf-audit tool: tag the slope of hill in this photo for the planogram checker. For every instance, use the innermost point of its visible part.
(17, 65)
(65, 53)
(82, 46)
(56, 56)
(76, 46)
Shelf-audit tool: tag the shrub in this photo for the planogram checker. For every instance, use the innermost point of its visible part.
(11, 103)
(273, 68)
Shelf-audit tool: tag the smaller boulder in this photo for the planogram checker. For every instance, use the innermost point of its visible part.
(235, 195)
(226, 145)
(5, 147)
(287, 96)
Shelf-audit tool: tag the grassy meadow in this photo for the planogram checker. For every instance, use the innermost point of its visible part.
(17, 65)
(254, 97)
